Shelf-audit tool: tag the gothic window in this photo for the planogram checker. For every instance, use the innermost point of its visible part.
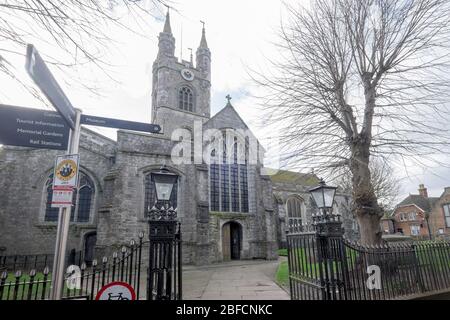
(228, 182)
(447, 214)
(295, 214)
(186, 99)
(82, 201)
(234, 181)
(150, 195)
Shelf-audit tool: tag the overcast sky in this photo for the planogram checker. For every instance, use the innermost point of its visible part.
(239, 35)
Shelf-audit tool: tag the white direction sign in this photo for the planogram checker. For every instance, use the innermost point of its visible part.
(66, 172)
(116, 291)
(62, 198)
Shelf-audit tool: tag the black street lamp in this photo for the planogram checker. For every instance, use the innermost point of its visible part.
(164, 183)
(164, 279)
(323, 196)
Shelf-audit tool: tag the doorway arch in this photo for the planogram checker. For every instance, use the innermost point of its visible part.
(231, 241)
(90, 239)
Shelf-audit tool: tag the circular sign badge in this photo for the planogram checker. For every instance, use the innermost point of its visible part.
(66, 170)
(116, 290)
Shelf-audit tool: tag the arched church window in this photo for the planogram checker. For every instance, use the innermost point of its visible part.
(228, 180)
(150, 195)
(82, 201)
(214, 183)
(295, 214)
(186, 99)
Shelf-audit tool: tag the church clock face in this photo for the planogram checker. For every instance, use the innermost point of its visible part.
(187, 74)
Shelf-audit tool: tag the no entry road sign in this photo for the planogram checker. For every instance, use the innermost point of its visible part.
(33, 128)
(44, 79)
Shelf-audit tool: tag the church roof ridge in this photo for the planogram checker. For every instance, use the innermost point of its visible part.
(287, 176)
(228, 106)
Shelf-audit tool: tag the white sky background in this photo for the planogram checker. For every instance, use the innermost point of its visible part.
(239, 35)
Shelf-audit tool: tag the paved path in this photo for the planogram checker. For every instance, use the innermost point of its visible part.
(236, 280)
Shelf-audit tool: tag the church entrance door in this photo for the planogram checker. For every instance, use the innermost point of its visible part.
(231, 241)
(89, 245)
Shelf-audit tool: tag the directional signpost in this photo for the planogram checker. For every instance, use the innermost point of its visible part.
(33, 128)
(60, 130)
(120, 124)
(39, 72)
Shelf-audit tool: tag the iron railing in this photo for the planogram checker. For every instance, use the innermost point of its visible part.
(35, 285)
(323, 267)
(27, 262)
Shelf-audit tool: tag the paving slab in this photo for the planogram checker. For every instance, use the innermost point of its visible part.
(235, 280)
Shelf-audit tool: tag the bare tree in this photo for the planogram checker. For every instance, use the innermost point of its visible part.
(76, 32)
(385, 183)
(361, 79)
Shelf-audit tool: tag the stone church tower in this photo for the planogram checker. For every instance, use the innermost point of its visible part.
(180, 90)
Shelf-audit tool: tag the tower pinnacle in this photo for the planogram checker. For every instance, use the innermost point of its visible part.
(167, 28)
(203, 43)
(203, 54)
(166, 40)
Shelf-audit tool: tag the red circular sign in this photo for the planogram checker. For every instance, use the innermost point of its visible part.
(116, 290)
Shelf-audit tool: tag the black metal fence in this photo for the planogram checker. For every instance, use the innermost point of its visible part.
(36, 261)
(36, 283)
(328, 267)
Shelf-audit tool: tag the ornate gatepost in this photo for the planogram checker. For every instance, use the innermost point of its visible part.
(164, 274)
(329, 236)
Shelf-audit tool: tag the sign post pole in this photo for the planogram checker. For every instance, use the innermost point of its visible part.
(63, 224)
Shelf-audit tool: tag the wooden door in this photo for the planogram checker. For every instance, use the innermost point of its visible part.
(235, 234)
(226, 241)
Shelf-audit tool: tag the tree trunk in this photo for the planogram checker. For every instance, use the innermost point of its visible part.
(365, 205)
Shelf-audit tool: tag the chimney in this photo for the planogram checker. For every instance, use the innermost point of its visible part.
(423, 191)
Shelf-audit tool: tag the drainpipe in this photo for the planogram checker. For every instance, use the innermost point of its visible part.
(427, 216)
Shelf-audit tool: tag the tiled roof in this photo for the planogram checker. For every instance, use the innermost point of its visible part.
(284, 176)
(424, 203)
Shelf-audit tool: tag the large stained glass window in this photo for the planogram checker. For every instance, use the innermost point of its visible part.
(228, 182)
(214, 184)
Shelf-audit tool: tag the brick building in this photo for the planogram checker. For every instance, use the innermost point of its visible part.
(421, 216)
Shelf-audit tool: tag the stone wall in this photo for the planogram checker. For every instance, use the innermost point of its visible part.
(282, 191)
(23, 174)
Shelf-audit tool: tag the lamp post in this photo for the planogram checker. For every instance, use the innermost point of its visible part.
(162, 234)
(329, 235)
(325, 221)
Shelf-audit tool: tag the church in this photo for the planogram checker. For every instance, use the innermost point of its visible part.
(228, 204)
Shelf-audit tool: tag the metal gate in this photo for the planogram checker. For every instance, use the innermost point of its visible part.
(165, 261)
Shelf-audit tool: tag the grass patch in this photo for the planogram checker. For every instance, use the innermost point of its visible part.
(282, 276)
(23, 289)
(282, 252)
